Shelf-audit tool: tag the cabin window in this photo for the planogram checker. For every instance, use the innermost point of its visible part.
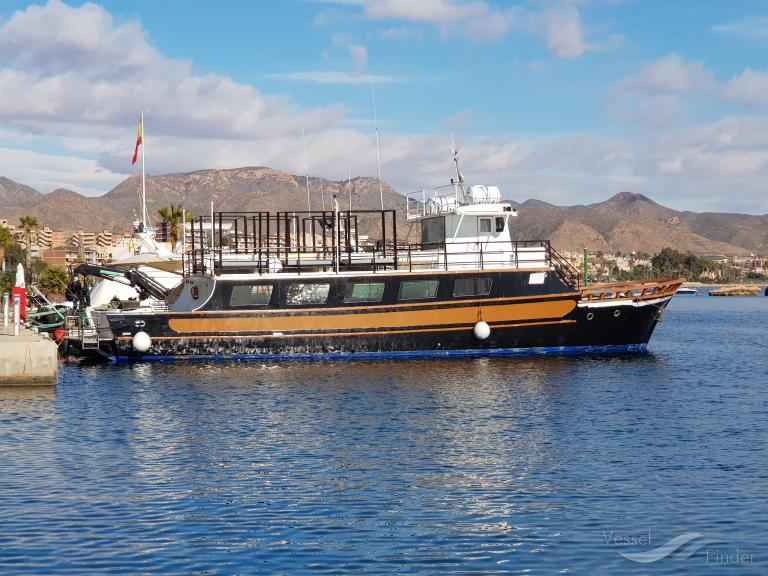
(303, 294)
(364, 292)
(472, 287)
(258, 295)
(418, 289)
(485, 225)
(433, 231)
(499, 224)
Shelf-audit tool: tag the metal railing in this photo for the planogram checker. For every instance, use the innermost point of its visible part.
(261, 237)
(637, 290)
(441, 200)
(83, 329)
(516, 254)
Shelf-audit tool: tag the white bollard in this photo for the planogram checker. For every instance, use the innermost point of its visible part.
(16, 314)
(5, 309)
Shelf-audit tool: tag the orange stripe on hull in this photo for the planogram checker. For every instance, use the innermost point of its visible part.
(506, 313)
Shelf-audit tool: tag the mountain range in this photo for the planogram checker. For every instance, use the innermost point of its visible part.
(625, 222)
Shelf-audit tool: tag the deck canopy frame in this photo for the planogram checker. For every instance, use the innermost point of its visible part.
(327, 236)
(324, 241)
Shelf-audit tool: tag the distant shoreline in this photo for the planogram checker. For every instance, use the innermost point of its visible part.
(729, 285)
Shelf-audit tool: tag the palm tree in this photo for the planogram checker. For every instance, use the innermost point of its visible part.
(54, 280)
(172, 217)
(29, 226)
(6, 240)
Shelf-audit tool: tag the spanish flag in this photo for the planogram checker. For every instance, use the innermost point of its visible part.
(139, 139)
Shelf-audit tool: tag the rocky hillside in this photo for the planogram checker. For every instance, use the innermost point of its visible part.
(248, 189)
(15, 194)
(626, 222)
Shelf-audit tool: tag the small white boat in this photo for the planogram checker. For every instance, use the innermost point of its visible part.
(686, 291)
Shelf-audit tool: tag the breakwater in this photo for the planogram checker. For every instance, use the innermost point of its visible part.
(27, 358)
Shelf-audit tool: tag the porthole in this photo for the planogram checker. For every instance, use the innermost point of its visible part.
(590, 315)
(616, 313)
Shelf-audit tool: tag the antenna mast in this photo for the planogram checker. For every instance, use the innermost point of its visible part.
(459, 175)
(306, 168)
(378, 153)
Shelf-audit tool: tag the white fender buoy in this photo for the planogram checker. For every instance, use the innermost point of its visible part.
(482, 330)
(141, 341)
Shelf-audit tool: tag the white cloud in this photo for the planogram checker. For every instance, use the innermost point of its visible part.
(560, 27)
(46, 172)
(193, 122)
(334, 77)
(670, 75)
(57, 38)
(721, 165)
(754, 27)
(654, 110)
(476, 20)
(61, 65)
(400, 33)
(655, 95)
(750, 88)
(359, 55)
(558, 23)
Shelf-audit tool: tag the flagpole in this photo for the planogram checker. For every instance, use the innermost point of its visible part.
(143, 176)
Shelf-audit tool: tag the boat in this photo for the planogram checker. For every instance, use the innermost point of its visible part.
(44, 315)
(687, 291)
(136, 279)
(306, 285)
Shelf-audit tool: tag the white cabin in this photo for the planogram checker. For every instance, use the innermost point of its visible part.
(470, 228)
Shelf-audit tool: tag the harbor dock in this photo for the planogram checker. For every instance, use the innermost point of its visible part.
(28, 359)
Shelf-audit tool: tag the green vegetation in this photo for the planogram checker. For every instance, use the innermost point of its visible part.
(54, 280)
(669, 263)
(6, 238)
(29, 226)
(7, 280)
(35, 269)
(172, 217)
(14, 256)
(51, 279)
(6, 241)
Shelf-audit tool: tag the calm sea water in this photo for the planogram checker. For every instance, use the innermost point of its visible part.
(537, 466)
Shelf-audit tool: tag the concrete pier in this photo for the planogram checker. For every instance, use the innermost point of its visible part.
(27, 359)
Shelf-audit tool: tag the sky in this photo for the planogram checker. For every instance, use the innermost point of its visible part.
(567, 101)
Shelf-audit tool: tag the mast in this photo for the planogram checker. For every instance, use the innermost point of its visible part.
(378, 153)
(459, 175)
(336, 239)
(349, 183)
(143, 176)
(306, 168)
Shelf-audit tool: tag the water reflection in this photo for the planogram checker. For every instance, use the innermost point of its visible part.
(9, 395)
(489, 465)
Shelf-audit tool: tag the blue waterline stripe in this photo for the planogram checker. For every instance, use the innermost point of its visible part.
(405, 354)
